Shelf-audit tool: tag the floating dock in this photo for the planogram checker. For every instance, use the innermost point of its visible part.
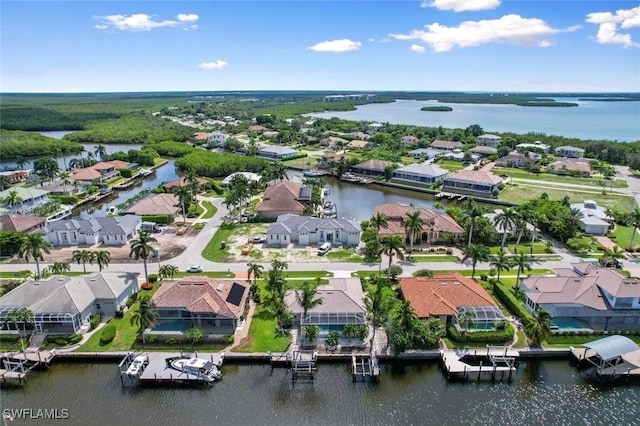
(494, 363)
(365, 367)
(16, 365)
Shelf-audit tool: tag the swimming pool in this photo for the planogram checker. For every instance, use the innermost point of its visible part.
(570, 324)
(172, 326)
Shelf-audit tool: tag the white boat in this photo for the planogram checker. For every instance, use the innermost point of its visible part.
(348, 177)
(145, 172)
(199, 367)
(137, 365)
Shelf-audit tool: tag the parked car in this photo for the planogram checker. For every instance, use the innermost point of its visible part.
(194, 268)
(323, 249)
(256, 240)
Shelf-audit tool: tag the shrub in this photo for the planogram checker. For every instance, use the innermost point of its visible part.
(483, 277)
(119, 313)
(195, 334)
(126, 173)
(95, 321)
(512, 303)
(497, 336)
(171, 340)
(153, 278)
(108, 334)
(423, 273)
(75, 338)
(228, 339)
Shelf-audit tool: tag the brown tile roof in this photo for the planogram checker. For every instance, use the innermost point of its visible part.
(396, 213)
(103, 166)
(119, 164)
(358, 144)
(257, 128)
(157, 204)
(201, 136)
(475, 176)
(20, 223)
(181, 182)
(281, 197)
(198, 295)
(443, 294)
(514, 157)
(571, 166)
(378, 165)
(86, 174)
(446, 144)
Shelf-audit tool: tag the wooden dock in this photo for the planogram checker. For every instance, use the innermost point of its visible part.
(16, 365)
(303, 364)
(494, 363)
(365, 367)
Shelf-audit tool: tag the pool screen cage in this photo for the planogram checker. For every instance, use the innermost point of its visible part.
(333, 321)
(482, 317)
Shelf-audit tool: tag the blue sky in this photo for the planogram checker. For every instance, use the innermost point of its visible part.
(481, 45)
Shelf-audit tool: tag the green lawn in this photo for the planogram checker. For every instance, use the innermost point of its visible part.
(563, 341)
(212, 251)
(538, 248)
(435, 258)
(452, 166)
(522, 193)
(465, 345)
(306, 274)
(262, 334)
(17, 274)
(622, 236)
(344, 255)
(210, 274)
(550, 177)
(126, 333)
(211, 210)
(522, 340)
(467, 273)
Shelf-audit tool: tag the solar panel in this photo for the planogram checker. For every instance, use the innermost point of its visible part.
(236, 293)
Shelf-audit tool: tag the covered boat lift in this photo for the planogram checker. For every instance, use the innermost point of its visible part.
(613, 356)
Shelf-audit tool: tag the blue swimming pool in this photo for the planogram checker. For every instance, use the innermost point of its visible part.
(570, 323)
(172, 326)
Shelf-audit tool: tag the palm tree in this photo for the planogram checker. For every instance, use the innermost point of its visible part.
(184, 197)
(58, 268)
(476, 253)
(100, 151)
(612, 255)
(4, 183)
(168, 271)
(539, 327)
(34, 245)
(23, 315)
(635, 223)
(307, 300)
(141, 249)
(413, 226)
(64, 177)
(83, 256)
(392, 246)
(522, 262)
(75, 163)
(12, 199)
(21, 162)
(379, 220)
(501, 262)
(191, 179)
(102, 258)
(474, 213)
(376, 306)
(254, 269)
(465, 319)
(145, 316)
(506, 220)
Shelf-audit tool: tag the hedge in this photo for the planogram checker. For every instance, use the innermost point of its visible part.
(295, 157)
(156, 218)
(6, 338)
(126, 173)
(63, 339)
(95, 321)
(64, 199)
(497, 336)
(108, 334)
(512, 303)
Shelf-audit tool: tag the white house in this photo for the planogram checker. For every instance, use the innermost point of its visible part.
(306, 230)
(595, 220)
(276, 152)
(425, 153)
(28, 199)
(489, 140)
(421, 173)
(408, 140)
(537, 145)
(217, 138)
(106, 230)
(569, 151)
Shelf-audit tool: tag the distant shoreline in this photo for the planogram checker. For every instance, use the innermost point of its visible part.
(437, 108)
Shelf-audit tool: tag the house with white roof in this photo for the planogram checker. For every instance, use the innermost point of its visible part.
(117, 230)
(426, 173)
(489, 140)
(425, 153)
(276, 152)
(306, 230)
(595, 220)
(569, 151)
(27, 200)
(536, 146)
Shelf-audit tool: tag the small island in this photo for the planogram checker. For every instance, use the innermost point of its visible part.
(436, 108)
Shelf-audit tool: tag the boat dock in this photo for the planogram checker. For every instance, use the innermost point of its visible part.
(613, 357)
(303, 364)
(494, 363)
(450, 196)
(158, 368)
(16, 365)
(365, 367)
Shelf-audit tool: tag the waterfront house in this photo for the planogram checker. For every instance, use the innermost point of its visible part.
(361, 144)
(215, 306)
(446, 145)
(371, 168)
(306, 230)
(536, 146)
(249, 176)
(484, 150)
(489, 140)
(408, 140)
(280, 198)
(586, 296)
(65, 305)
(514, 160)
(374, 128)
(471, 182)
(100, 172)
(170, 186)
(21, 223)
(329, 160)
(217, 138)
(58, 187)
(567, 165)
(436, 226)
(569, 151)
(595, 220)
(342, 304)
(30, 198)
(160, 204)
(425, 173)
(117, 230)
(446, 296)
(201, 136)
(276, 152)
(458, 155)
(425, 153)
(16, 176)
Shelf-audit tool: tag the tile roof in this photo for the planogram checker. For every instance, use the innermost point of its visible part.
(443, 294)
(87, 173)
(157, 204)
(396, 213)
(282, 196)
(19, 222)
(291, 222)
(425, 169)
(446, 144)
(24, 193)
(182, 182)
(378, 165)
(475, 176)
(341, 295)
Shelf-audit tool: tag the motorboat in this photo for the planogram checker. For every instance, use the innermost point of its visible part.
(348, 177)
(137, 365)
(310, 174)
(202, 368)
(145, 172)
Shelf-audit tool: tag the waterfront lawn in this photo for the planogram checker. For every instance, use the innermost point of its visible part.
(126, 333)
(262, 334)
(622, 236)
(550, 177)
(464, 345)
(522, 193)
(566, 340)
(522, 340)
(211, 210)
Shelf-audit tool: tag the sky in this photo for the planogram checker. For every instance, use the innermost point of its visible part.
(429, 45)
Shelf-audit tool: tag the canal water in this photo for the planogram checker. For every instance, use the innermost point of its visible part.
(542, 393)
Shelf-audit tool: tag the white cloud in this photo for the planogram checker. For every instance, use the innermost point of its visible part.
(462, 5)
(417, 48)
(609, 22)
(336, 46)
(144, 22)
(215, 65)
(371, 39)
(384, 40)
(512, 29)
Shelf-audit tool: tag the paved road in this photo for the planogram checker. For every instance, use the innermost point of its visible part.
(634, 182)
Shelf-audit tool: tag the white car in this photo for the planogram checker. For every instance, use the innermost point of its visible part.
(195, 268)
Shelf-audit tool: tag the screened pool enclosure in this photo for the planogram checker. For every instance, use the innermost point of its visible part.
(480, 318)
(327, 322)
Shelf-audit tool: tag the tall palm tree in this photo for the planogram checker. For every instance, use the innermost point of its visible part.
(635, 223)
(255, 270)
(379, 220)
(21, 162)
(506, 221)
(392, 246)
(376, 306)
(22, 315)
(168, 271)
(12, 199)
(191, 179)
(413, 225)
(523, 263)
(83, 256)
(184, 198)
(610, 256)
(307, 299)
(100, 151)
(64, 178)
(501, 262)
(465, 319)
(4, 183)
(472, 214)
(58, 268)
(34, 245)
(141, 249)
(539, 327)
(476, 253)
(145, 316)
(102, 258)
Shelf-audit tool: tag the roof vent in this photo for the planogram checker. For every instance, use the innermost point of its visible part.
(456, 283)
(220, 287)
(443, 283)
